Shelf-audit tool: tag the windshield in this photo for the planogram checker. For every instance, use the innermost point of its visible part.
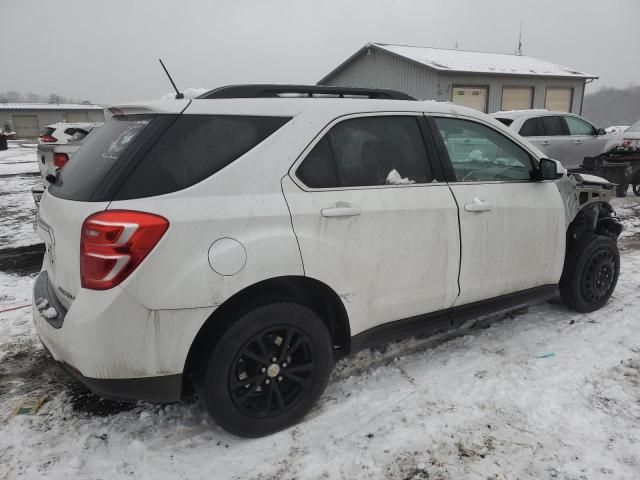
(83, 174)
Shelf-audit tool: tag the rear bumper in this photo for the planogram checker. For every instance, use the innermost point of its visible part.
(114, 345)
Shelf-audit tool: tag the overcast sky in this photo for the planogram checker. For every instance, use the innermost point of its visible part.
(107, 51)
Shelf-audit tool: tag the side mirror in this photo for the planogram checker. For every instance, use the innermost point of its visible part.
(601, 131)
(548, 170)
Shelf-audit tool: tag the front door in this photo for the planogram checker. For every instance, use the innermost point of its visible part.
(512, 228)
(584, 138)
(371, 221)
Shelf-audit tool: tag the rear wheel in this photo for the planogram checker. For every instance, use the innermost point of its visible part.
(590, 274)
(267, 369)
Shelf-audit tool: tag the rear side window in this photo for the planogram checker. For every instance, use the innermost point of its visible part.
(82, 175)
(368, 151)
(193, 148)
(554, 126)
(532, 128)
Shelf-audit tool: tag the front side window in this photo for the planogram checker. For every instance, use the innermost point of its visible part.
(480, 154)
(577, 126)
(368, 151)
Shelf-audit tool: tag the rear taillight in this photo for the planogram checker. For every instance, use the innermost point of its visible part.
(48, 139)
(60, 159)
(114, 242)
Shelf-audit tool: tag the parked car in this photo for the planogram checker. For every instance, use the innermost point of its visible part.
(616, 128)
(562, 136)
(53, 155)
(59, 133)
(237, 245)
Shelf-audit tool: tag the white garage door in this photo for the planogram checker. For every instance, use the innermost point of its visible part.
(517, 98)
(558, 99)
(26, 126)
(473, 97)
(76, 117)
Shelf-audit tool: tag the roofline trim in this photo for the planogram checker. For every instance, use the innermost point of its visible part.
(379, 47)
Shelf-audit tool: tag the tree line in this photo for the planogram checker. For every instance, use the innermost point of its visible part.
(613, 106)
(17, 97)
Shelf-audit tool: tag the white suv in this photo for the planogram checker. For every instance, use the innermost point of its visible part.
(236, 246)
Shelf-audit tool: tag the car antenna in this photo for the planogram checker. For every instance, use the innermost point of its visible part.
(179, 95)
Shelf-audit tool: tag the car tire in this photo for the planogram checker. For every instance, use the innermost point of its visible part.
(636, 189)
(246, 391)
(590, 273)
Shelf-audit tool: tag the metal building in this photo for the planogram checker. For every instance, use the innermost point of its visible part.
(28, 119)
(486, 81)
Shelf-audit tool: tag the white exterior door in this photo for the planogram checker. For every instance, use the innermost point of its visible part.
(387, 246)
(558, 99)
(472, 97)
(26, 126)
(512, 228)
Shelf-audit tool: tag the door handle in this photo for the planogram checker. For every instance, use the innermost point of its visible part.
(477, 206)
(341, 210)
(545, 143)
(577, 142)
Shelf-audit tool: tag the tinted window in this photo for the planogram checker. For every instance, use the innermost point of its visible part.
(479, 153)
(81, 177)
(193, 148)
(366, 152)
(577, 126)
(554, 126)
(318, 170)
(532, 128)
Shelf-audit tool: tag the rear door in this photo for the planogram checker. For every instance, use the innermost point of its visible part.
(372, 220)
(549, 134)
(512, 228)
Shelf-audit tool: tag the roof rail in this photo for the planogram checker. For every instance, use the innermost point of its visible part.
(279, 91)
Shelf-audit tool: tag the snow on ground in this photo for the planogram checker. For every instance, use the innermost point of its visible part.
(545, 393)
(18, 173)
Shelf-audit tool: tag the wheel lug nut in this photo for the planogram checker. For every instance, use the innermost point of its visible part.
(263, 369)
(279, 379)
(274, 359)
(267, 381)
(284, 364)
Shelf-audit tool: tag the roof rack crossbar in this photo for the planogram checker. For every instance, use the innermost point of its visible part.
(276, 91)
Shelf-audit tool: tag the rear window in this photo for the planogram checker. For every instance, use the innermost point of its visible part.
(193, 148)
(48, 131)
(80, 178)
(532, 128)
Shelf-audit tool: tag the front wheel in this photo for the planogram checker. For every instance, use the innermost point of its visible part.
(590, 274)
(267, 370)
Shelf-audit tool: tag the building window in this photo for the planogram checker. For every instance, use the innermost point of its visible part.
(517, 98)
(558, 99)
(472, 97)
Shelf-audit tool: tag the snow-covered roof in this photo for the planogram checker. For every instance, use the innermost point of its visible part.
(466, 61)
(49, 106)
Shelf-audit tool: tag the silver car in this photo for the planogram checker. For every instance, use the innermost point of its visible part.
(562, 136)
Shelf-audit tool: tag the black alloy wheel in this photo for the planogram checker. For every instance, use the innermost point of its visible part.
(272, 372)
(267, 369)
